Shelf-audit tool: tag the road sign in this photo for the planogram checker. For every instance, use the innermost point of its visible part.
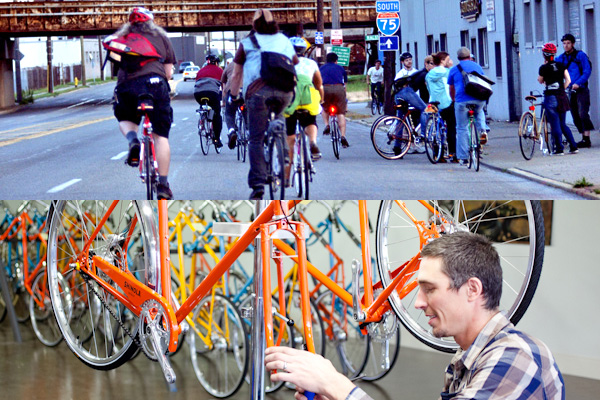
(387, 6)
(388, 43)
(371, 38)
(388, 23)
(343, 54)
(337, 37)
(319, 38)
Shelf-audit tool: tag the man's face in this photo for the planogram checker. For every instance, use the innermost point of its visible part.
(567, 46)
(407, 63)
(377, 65)
(445, 307)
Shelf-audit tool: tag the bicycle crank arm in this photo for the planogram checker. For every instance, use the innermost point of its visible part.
(163, 360)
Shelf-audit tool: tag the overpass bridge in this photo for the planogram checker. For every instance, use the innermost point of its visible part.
(89, 17)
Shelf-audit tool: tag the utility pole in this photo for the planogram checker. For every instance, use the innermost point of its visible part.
(320, 28)
(83, 81)
(49, 76)
(19, 87)
(101, 63)
(335, 14)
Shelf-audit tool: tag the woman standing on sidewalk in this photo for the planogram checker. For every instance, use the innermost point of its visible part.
(556, 78)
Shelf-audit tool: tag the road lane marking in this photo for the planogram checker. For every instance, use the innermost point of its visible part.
(185, 119)
(120, 155)
(63, 186)
(52, 131)
(80, 104)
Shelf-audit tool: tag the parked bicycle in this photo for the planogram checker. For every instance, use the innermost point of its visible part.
(533, 132)
(435, 134)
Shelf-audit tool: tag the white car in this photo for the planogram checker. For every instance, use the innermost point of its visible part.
(190, 73)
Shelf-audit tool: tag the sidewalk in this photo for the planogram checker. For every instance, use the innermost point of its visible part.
(503, 153)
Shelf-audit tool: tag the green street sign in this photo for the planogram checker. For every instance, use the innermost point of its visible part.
(372, 38)
(343, 54)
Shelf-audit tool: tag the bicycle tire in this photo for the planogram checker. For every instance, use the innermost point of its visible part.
(433, 142)
(40, 309)
(241, 132)
(388, 133)
(335, 136)
(220, 367)
(149, 169)
(521, 256)
(383, 352)
(307, 169)
(527, 135)
(476, 151)
(298, 170)
(472, 133)
(107, 346)
(345, 340)
(204, 134)
(373, 105)
(276, 168)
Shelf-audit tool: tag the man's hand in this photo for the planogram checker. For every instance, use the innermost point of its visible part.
(575, 86)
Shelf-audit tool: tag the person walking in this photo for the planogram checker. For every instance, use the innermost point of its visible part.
(578, 64)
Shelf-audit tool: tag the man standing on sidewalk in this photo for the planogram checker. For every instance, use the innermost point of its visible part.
(580, 69)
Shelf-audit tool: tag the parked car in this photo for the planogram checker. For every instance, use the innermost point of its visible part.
(190, 73)
(184, 65)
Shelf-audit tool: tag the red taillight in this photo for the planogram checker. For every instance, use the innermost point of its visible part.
(332, 110)
(471, 113)
(242, 107)
(531, 108)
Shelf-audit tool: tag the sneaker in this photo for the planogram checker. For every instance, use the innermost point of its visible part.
(483, 138)
(327, 130)
(315, 153)
(232, 139)
(584, 144)
(218, 144)
(397, 150)
(559, 153)
(133, 158)
(345, 143)
(463, 162)
(573, 150)
(257, 193)
(164, 192)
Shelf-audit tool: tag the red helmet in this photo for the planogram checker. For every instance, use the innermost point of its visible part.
(549, 49)
(140, 14)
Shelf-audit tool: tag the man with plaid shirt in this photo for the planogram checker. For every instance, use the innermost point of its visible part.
(460, 281)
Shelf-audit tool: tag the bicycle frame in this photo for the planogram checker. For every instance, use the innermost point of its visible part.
(148, 140)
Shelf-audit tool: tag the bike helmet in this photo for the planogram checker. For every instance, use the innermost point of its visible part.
(299, 44)
(549, 49)
(405, 56)
(211, 58)
(140, 14)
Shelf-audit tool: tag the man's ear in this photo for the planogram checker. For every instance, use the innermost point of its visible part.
(474, 288)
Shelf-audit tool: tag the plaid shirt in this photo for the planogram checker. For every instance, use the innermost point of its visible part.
(503, 363)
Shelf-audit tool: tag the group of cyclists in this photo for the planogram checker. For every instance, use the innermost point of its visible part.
(240, 83)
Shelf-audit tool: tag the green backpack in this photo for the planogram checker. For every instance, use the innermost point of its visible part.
(302, 96)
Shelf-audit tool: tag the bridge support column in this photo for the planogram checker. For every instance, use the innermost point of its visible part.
(7, 91)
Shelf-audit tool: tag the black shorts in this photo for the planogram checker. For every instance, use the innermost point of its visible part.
(126, 102)
(305, 120)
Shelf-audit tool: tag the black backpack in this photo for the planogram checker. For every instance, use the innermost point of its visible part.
(276, 69)
(574, 59)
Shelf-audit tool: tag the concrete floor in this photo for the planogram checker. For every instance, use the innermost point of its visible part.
(30, 370)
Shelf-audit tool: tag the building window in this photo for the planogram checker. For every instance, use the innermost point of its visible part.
(498, 57)
(443, 42)
(473, 47)
(482, 53)
(416, 55)
(429, 44)
(437, 46)
(464, 38)
(551, 24)
(572, 18)
(528, 24)
(539, 22)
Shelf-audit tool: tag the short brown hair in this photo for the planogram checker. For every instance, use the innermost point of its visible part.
(439, 57)
(263, 22)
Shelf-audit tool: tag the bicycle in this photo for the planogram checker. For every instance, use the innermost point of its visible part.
(148, 165)
(532, 131)
(302, 168)
(242, 133)
(435, 133)
(376, 104)
(474, 146)
(274, 150)
(336, 136)
(205, 127)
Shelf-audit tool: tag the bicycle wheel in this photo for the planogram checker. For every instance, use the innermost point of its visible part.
(298, 170)
(335, 136)
(40, 308)
(384, 348)
(527, 135)
(241, 139)
(391, 137)
(149, 170)
(276, 170)
(515, 227)
(374, 104)
(308, 169)
(379, 107)
(433, 140)
(204, 134)
(93, 323)
(344, 337)
(475, 148)
(220, 351)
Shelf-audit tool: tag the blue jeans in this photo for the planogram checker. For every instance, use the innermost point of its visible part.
(411, 97)
(462, 124)
(558, 125)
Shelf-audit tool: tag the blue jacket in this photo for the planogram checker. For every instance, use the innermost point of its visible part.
(580, 69)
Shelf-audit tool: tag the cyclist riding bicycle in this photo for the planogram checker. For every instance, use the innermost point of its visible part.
(208, 85)
(334, 87)
(146, 73)
(375, 79)
(230, 107)
(256, 91)
(309, 92)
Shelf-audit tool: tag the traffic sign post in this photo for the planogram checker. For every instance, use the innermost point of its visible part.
(319, 38)
(343, 54)
(389, 43)
(388, 23)
(337, 37)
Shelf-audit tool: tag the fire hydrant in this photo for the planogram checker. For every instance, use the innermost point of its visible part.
(76, 81)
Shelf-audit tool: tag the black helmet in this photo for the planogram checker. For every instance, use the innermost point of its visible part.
(211, 58)
(568, 36)
(405, 56)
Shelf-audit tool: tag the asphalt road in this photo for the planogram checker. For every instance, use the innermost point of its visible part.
(70, 147)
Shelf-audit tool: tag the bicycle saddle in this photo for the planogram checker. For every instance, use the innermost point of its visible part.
(302, 111)
(434, 103)
(530, 98)
(472, 107)
(274, 104)
(145, 102)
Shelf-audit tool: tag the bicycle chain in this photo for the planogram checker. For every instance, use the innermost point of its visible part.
(86, 278)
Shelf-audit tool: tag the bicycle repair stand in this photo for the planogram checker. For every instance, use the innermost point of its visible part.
(9, 306)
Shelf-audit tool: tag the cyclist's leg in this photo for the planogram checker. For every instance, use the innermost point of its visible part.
(480, 119)
(551, 104)
(462, 135)
(373, 90)
(290, 123)
(125, 110)
(341, 104)
(309, 123)
(567, 131)
(162, 118)
(215, 102)
(450, 119)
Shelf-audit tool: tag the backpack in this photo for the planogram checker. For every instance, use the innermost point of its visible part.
(476, 85)
(276, 69)
(303, 96)
(574, 58)
(130, 52)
